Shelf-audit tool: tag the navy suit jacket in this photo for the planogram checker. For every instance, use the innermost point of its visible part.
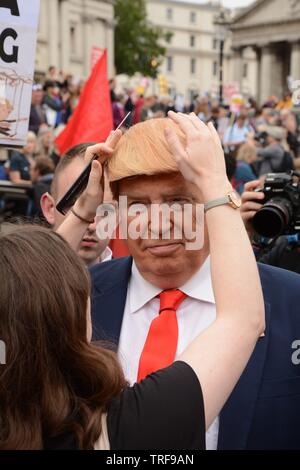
(263, 411)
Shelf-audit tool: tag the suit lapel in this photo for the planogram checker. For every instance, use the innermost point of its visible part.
(109, 297)
(108, 301)
(236, 416)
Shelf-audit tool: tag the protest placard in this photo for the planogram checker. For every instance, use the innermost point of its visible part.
(18, 33)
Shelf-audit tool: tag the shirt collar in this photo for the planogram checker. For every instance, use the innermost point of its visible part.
(140, 291)
(106, 255)
(199, 287)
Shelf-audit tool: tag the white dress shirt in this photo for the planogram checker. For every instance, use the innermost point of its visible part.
(237, 134)
(106, 255)
(194, 315)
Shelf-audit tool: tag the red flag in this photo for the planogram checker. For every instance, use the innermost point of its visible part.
(92, 119)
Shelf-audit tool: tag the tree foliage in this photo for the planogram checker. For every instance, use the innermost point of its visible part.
(138, 45)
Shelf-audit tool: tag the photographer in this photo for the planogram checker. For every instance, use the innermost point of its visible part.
(273, 157)
(282, 251)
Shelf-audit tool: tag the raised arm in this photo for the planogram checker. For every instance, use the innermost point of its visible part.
(220, 354)
(73, 229)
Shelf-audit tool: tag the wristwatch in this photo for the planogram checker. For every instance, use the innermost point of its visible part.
(232, 198)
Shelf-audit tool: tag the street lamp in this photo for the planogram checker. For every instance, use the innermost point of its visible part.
(222, 23)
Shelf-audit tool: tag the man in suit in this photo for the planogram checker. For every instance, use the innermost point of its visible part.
(263, 410)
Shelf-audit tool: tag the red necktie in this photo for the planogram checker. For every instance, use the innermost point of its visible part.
(161, 343)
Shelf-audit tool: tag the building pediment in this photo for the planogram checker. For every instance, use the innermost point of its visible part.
(268, 12)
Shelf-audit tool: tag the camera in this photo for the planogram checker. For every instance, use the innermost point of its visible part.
(261, 138)
(280, 214)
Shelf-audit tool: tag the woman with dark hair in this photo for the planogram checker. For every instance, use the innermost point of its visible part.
(54, 380)
(59, 391)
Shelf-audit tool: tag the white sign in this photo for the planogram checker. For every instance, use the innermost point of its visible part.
(18, 32)
(295, 89)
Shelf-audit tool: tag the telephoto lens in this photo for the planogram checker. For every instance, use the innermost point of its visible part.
(274, 218)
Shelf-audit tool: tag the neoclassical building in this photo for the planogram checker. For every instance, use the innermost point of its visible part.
(68, 31)
(271, 28)
(192, 60)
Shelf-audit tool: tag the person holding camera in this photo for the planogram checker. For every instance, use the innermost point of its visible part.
(270, 208)
(273, 158)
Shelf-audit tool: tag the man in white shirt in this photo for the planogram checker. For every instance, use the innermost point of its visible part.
(160, 265)
(237, 134)
(91, 249)
(194, 315)
(129, 300)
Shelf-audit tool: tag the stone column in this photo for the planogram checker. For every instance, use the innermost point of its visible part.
(65, 36)
(238, 66)
(279, 72)
(87, 33)
(266, 73)
(258, 74)
(109, 35)
(295, 61)
(53, 33)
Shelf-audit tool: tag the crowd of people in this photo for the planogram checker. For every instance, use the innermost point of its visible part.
(154, 346)
(257, 140)
(199, 335)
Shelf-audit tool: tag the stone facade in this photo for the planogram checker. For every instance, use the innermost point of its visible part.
(271, 28)
(192, 60)
(69, 29)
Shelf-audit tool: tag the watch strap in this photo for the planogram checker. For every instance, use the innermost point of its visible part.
(216, 202)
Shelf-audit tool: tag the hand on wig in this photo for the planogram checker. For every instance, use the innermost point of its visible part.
(92, 196)
(201, 161)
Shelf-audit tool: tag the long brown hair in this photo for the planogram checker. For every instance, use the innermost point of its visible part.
(54, 381)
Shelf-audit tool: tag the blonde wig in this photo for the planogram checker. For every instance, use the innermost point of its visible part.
(143, 150)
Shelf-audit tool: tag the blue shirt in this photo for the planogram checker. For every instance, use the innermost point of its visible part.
(236, 133)
(243, 174)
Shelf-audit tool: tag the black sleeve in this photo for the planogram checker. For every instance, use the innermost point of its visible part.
(163, 412)
(274, 255)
